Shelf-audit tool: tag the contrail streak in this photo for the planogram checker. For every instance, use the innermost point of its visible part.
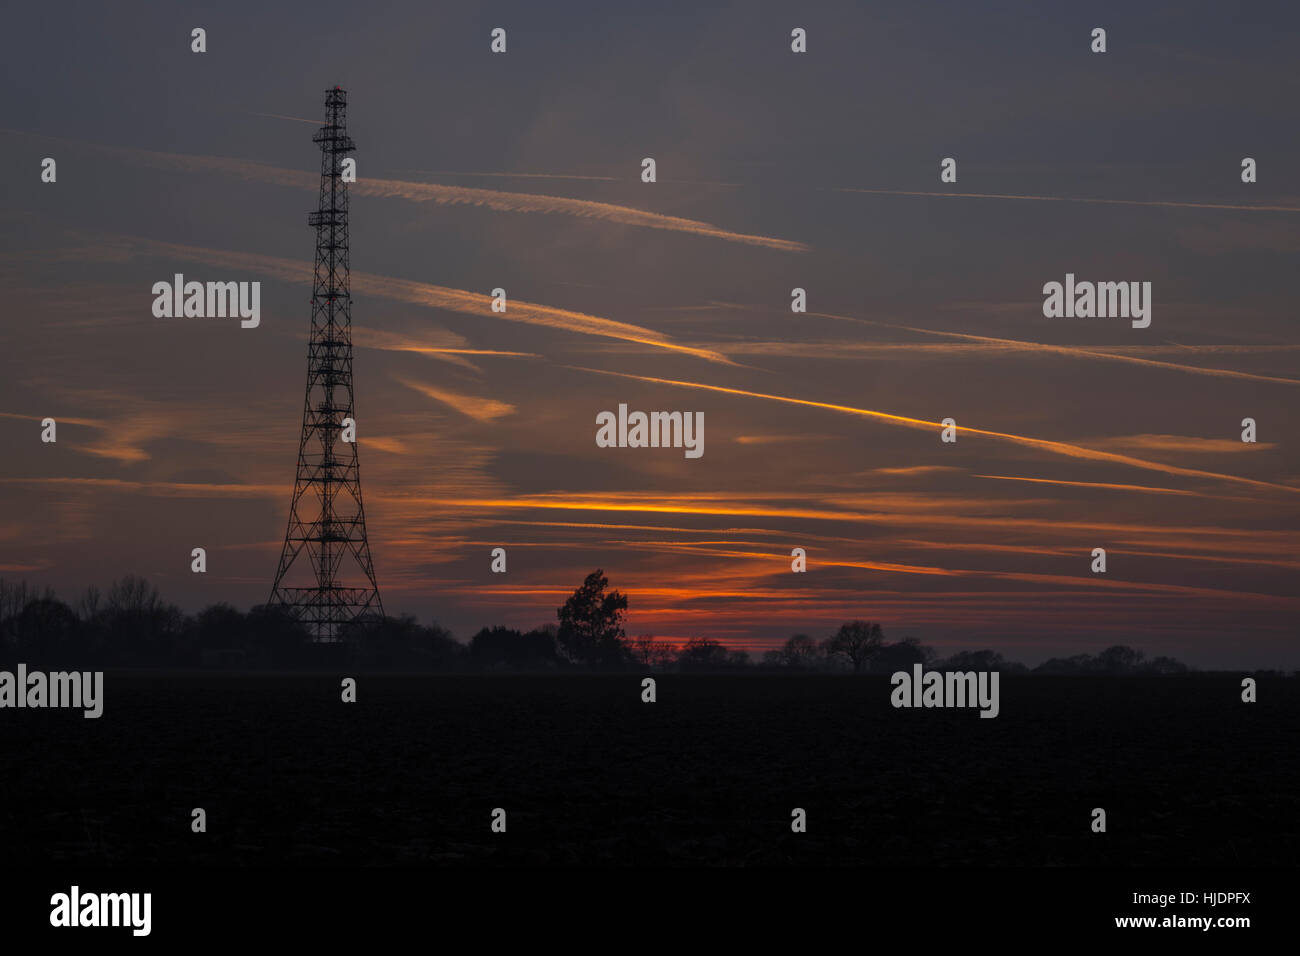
(437, 172)
(1060, 448)
(1113, 486)
(432, 192)
(1084, 199)
(434, 296)
(479, 409)
(296, 119)
(582, 208)
(1071, 350)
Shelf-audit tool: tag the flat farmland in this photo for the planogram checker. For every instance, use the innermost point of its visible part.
(708, 775)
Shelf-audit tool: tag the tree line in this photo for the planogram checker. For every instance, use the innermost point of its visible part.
(130, 625)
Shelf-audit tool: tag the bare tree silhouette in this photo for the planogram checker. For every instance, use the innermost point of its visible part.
(857, 642)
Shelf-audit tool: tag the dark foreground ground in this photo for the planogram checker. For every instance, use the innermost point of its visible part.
(408, 775)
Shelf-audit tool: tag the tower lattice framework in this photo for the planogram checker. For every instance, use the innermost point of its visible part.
(327, 522)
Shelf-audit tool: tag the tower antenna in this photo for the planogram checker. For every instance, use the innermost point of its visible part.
(326, 517)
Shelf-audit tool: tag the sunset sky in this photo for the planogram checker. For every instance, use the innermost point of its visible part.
(775, 170)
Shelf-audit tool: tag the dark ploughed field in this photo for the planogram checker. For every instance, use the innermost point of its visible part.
(588, 774)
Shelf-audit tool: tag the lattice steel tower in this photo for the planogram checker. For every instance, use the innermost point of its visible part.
(326, 517)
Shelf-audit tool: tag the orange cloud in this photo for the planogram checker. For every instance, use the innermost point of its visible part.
(1110, 485)
(991, 343)
(914, 470)
(445, 172)
(1083, 199)
(1181, 443)
(163, 489)
(125, 437)
(1055, 447)
(433, 296)
(367, 338)
(394, 446)
(775, 439)
(479, 409)
(431, 192)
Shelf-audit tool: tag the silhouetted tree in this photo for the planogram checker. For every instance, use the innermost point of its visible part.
(985, 660)
(502, 646)
(273, 627)
(857, 642)
(13, 598)
(1113, 661)
(89, 604)
(46, 631)
(130, 624)
(388, 641)
(653, 654)
(221, 626)
(591, 623)
(133, 595)
(642, 648)
(1163, 665)
(140, 627)
(704, 654)
(439, 649)
(800, 652)
(900, 656)
(1119, 660)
